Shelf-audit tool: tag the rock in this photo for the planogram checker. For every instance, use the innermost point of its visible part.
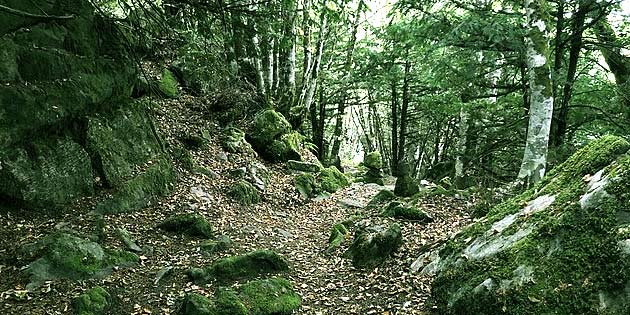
(306, 185)
(406, 186)
(273, 296)
(219, 244)
(400, 211)
(126, 238)
(93, 302)
(372, 245)
(233, 141)
(246, 266)
(61, 255)
(373, 160)
(273, 138)
(244, 193)
(189, 224)
(381, 197)
(164, 272)
(332, 179)
(373, 176)
(196, 304)
(193, 142)
(238, 173)
(351, 203)
(556, 248)
(286, 235)
(168, 84)
(206, 172)
(303, 166)
(338, 234)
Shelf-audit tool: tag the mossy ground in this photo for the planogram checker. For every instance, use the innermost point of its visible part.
(242, 267)
(572, 251)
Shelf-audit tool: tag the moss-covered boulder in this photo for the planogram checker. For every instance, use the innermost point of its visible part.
(372, 245)
(273, 139)
(137, 192)
(338, 234)
(273, 296)
(373, 160)
(406, 186)
(62, 255)
(233, 141)
(241, 267)
(167, 84)
(331, 179)
(382, 197)
(219, 244)
(558, 248)
(93, 302)
(399, 210)
(245, 193)
(306, 185)
(303, 166)
(51, 173)
(189, 224)
(374, 164)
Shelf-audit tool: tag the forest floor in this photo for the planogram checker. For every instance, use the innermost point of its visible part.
(296, 228)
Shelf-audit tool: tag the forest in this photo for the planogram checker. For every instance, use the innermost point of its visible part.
(265, 157)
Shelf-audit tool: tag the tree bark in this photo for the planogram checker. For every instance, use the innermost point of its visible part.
(534, 162)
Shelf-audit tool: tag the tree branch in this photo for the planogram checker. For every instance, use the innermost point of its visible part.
(34, 16)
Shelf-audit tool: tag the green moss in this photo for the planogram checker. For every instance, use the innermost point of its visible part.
(168, 84)
(92, 302)
(270, 296)
(245, 193)
(303, 166)
(156, 180)
(338, 234)
(332, 179)
(233, 141)
(221, 243)
(382, 196)
(373, 245)
(400, 211)
(406, 186)
(273, 139)
(228, 303)
(373, 160)
(184, 158)
(306, 185)
(241, 267)
(269, 125)
(572, 254)
(189, 224)
(196, 304)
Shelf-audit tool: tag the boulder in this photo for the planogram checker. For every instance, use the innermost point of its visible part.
(246, 266)
(306, 185)
(338, 234)
(381, 197)
(332, 179)
(558, 248)
(62, 255)
(233, 141)
(372, 245)
(189, 224)
(273, 296)
(399, 210)
(219, 244)
(273, 139)
(167, 84)
(303, 166)
(244, 193)
(93, 302)
(373, 160)
(406, 186)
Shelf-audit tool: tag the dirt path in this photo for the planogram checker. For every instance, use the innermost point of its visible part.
(296, 228)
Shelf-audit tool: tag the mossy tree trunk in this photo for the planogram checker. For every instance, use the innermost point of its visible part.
(534, 162)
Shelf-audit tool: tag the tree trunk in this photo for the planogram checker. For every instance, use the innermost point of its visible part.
(402, 135)
(341, 106)
(288, 58)
(394, 130)
(311, 84)
(461, 147)
(534, 162)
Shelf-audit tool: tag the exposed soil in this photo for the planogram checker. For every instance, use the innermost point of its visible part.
(283, 222)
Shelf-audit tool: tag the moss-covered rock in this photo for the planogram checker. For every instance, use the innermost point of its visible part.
(406, 186)
(245, 193)
(373, 160)
(303, 166)
(61, 255)
(332, 179)
(220, 243)
(273, 139)
(168, 84)
(51, 173)
(241, 267)
(558, 248)
(193, 141)
(196, 304)
(399, 210)
(382, 197)
(233, 141)
(189, 224)
(372, 245)
(156, 180)
(338, 234)
(93, 302)
(306, 185)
